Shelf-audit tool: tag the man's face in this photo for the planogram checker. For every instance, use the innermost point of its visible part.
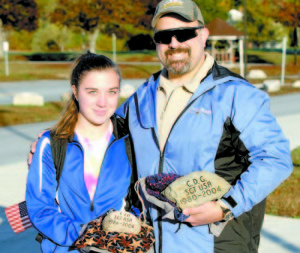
(180, 58)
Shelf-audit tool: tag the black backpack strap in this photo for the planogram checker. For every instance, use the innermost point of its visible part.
(59, 149)
(39, 238)
(132, 198)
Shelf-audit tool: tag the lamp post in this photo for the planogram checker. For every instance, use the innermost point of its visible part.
(283, 60)
(5, 46)
(114, 47)
(245, 36)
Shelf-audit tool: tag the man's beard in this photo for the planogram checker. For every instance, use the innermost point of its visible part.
(178, 67)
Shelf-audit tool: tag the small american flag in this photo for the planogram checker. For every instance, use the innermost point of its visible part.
(17, 217)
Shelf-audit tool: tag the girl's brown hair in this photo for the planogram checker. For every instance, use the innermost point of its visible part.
(85, 63)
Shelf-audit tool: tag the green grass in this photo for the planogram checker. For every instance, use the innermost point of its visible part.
(133, 56)
(34, 71)
(55, 71)
(296, 156)
(284, 201)
(15, 115)
(273, 57)
(20, 69)
(121, 56)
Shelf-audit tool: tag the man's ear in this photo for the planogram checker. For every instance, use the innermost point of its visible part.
(74, 90)
(204, 35)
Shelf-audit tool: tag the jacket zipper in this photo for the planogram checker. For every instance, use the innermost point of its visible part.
(92, 206)
(160, 169)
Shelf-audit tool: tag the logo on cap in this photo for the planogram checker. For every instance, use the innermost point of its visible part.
(172, 3)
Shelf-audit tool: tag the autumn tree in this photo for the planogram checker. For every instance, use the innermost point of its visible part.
(146, 19)
(210, 10)
(289, 15)
(17, 15)
(236, 3)
(95, 16)
(49, 35)
(260, 23)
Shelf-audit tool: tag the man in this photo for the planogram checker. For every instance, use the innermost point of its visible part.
(196, 115)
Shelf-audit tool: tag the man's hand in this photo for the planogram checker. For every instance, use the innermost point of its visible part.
(204, 214)
(33, 148)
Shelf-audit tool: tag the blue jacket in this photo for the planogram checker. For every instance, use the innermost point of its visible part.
(225, 128)
(60, 224)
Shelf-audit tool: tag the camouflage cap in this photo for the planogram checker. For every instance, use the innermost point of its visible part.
(185, 8)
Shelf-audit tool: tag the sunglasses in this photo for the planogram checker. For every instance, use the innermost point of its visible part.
(181, 34)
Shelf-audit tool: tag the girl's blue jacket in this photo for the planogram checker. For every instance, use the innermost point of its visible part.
(61, 223)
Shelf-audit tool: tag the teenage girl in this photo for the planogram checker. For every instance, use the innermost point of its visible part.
(96, 174)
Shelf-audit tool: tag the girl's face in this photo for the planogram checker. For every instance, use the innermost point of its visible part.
(97, 96)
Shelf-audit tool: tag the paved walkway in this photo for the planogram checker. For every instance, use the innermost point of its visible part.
(51, 90)
(280, 235)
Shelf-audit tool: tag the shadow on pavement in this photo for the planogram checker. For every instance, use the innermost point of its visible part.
(14, 131)
(16, 243)
(276, 239)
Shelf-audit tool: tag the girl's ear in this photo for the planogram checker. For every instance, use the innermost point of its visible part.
(74, 90)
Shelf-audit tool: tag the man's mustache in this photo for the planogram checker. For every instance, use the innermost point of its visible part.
(177, 50)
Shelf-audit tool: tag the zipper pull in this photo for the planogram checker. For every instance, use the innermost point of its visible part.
(92, 206)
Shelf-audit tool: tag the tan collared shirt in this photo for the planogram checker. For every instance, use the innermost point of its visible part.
(172, 99)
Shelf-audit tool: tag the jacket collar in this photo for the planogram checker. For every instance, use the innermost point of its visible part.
(145, 99)
(215, 76)
(120, 129)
